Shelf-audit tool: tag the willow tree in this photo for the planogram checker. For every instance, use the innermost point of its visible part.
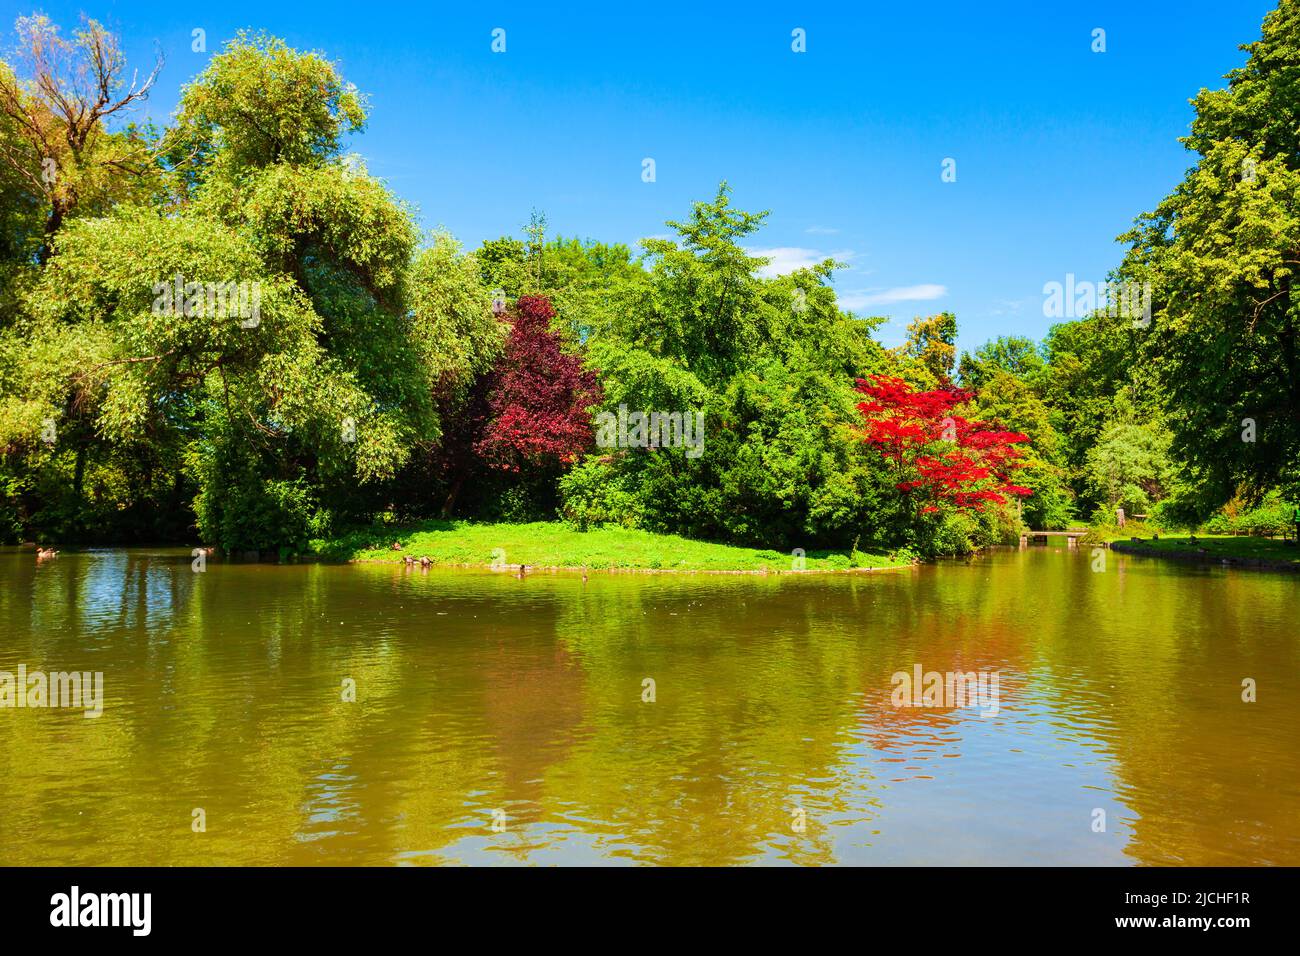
(265, 325)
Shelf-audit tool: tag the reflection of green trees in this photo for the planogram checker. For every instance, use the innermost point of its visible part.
(223, 692)
(1150, 658)
(749, 707)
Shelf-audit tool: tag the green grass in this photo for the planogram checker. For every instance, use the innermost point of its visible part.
(1221, 546)
(554, 545)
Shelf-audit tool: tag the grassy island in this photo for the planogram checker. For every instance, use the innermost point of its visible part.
(544, 544)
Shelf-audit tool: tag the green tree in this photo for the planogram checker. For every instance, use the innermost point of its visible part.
(770, 362)
(54, 135)
(1013, 401)
(931, 348)
(1221, 253)
(1129, 467)
(305, 409)
(1014, 355)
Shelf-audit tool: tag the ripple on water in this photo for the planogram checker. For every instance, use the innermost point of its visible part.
(650, 719)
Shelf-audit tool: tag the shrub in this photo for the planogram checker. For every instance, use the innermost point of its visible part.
(593, 494)
(240, 511)
(1272, 516)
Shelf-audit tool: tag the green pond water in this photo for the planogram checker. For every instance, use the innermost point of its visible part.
(504, 721)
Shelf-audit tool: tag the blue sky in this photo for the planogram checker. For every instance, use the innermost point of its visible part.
(1057, 148)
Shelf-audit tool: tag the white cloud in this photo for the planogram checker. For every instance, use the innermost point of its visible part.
(786, 259)
(908, 293)
(821, 231)
(1007, 307)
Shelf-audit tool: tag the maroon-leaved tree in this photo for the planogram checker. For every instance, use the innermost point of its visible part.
(530, 411)
(537, 396)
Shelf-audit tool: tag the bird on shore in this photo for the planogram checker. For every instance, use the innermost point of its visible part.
(409, 560)
(523, 570)
(426, 562)
(584, 574)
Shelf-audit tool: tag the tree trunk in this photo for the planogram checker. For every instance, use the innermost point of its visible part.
(452, 495)
(79, 471)
(52, 223)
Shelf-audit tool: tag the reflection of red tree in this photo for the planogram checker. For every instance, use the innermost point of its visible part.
(907, 736)
(943, 460)
(534, 706)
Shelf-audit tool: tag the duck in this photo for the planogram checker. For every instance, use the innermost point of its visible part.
(409, 560)
(43, 553)
(426, 562)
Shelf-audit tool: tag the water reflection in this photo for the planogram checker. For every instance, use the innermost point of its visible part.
(771, 737)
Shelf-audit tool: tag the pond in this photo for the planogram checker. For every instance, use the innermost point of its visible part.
(375, 714)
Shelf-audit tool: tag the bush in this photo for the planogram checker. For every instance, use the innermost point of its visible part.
(906, 554)
(11, 525)
(593, 494)
(945, 536)
(1272, 516)
(1219, 524)
(240, 511)
(998, 524)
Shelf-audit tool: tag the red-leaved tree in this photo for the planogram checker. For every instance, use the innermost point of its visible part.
(537, 396)
(942, 460)
(528, 413)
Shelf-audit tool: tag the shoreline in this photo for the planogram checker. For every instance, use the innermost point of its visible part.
(512, 569)
(1202, 556)
(399, 558)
